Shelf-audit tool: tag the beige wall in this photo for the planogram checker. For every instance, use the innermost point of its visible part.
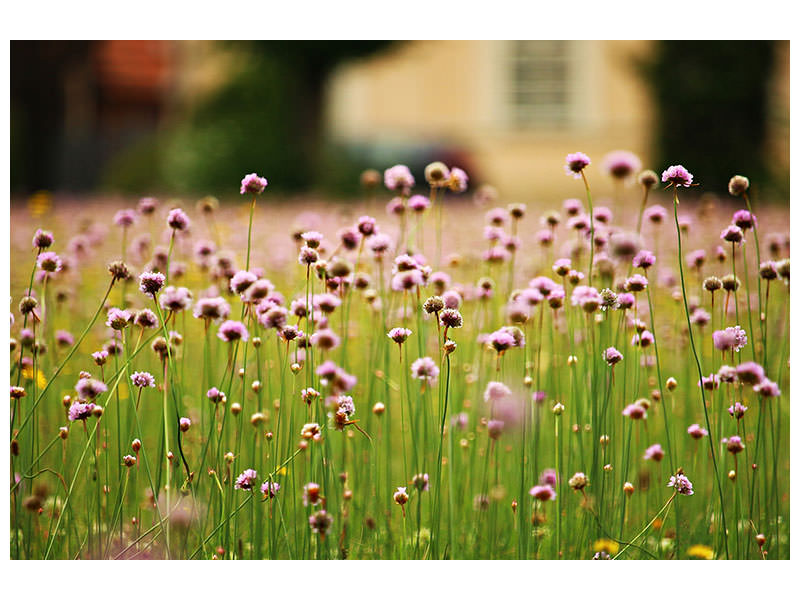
(455, 92)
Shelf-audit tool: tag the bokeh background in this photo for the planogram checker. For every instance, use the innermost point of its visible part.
(191, 117)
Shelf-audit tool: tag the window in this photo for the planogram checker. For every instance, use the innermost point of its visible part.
(539, 90)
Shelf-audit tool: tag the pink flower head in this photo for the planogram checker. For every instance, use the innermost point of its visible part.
(588, 298)
(497, 217)
(320, 522)
(379, 244)
(178, 220)
(311, 494)
(501, 340)
(737, 410)
(625, 300)
(452, 299)
(656, 214)
(730, 338)
(350, 237)
(64, 338)
(407, 280)
(696, 431)
(750, 373)
(744, 219)
(654, 452)
(677, 175)
(562, 266)
(146, 319)
(366, 226)
(681, 484)
(425, 369)
(636, 283)
(399, 334)
(644, 259)
(269, 489)
(325, 339)
(398, 179)
(312, 238)
(635, 411)
(544, 285)
(211, 308)
(89, 389)
(396, 206)
(496, 391)
(612, 356)
(118, 319)
(175, 299)
(231, 331)
(79, 411)
(709, 383)
(696, 258)
(576, 163)
(543, 492)
(732, 234)
(253, 184)
(49, 262)
(246, 480)
(548, 477)
(241, 281)
(143, 379)
(458, 180)
(572, 206)
(727, 374)
(125, 217)
(495, 428)
(622, 164)
(151, 282)
(767, 389)
(418, 203)
(735, 444)
(42, 239)
(147, 206)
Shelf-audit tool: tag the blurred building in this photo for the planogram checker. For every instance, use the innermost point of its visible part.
(513, 108)
(516, 108)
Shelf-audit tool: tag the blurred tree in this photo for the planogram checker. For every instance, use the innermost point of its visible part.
(711, 107)
(37, 75)
(268, 117)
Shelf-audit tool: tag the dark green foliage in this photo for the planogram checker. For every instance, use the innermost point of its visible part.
(267, 118)
(711, 106)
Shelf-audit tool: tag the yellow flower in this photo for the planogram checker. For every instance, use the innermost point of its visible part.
(39, 203)
(701, 551)
(27, 373)
(607, 546)
(283, 471)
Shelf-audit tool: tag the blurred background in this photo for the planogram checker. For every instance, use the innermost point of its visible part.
(191, 117)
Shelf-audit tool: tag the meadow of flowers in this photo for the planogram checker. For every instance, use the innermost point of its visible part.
(426, 373)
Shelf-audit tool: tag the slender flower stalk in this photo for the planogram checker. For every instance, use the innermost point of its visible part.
(675, 203)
